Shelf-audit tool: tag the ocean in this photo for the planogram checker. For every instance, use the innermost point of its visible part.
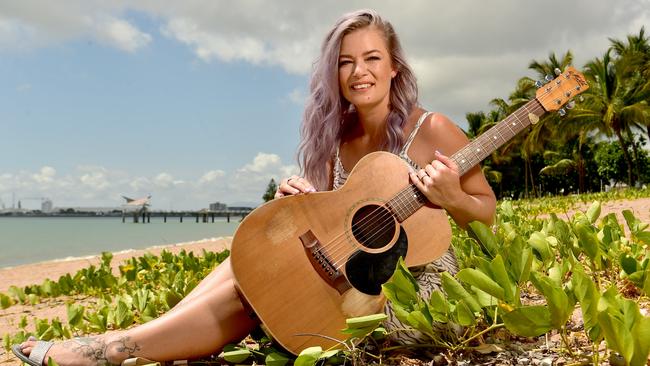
(36, 239)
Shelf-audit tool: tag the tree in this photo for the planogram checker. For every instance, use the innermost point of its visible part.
(270, 191)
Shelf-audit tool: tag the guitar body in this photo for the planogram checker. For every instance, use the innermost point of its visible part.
(305, 263)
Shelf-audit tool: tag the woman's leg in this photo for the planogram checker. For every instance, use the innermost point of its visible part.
(213, 318)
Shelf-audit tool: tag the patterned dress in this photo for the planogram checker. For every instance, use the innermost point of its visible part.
(427, 276)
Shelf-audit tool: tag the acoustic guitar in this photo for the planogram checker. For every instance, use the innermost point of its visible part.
(306, 263)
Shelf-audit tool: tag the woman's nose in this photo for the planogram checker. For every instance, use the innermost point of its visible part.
(359, 68)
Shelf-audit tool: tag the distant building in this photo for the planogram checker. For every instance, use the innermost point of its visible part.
(46, 205)
(218, 206)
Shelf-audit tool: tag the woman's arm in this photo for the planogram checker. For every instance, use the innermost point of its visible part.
(467, 198)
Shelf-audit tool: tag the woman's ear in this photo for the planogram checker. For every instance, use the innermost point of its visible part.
(393, 73)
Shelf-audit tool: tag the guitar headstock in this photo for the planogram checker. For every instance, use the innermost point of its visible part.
(560, 90)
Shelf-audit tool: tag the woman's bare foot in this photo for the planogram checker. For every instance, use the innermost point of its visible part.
(107, 349)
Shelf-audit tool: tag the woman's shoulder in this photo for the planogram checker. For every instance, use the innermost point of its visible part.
(439, 131)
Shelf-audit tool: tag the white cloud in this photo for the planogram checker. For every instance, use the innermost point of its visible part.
(261, 163)
(164, 180)
(46, 175)
(122, 34)
(211, 177)
(96, 178)
(93, 185)
(297, 96)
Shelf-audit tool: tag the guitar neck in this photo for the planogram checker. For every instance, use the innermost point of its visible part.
(492, 139)
(410, 199)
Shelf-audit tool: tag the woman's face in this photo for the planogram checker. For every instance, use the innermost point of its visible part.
(365, 68)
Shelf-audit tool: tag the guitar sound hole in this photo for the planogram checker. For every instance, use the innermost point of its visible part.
(373, 226)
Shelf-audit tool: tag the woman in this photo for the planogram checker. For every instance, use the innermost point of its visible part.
(363, 99)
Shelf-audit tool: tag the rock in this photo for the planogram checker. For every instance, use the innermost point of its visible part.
(546, 361)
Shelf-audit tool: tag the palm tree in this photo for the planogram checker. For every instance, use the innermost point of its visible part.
(612, 100)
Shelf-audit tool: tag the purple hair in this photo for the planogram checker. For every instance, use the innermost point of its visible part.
(327, 109)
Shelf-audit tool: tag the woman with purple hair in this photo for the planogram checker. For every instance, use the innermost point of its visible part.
(363, 99)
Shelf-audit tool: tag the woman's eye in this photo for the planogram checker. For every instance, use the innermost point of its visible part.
(344, 62)
(373, 58)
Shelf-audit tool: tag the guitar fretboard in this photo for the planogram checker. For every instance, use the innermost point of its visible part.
(410, 199)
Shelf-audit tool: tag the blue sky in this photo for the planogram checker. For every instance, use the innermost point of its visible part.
(200, 101)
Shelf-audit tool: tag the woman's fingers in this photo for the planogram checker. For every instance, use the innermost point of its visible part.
(294, 185)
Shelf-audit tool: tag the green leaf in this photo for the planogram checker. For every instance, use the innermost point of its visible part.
(418, 320)
(500, 275)
(464, 315)
(481, 281)
(588, 241)
(641, 335)
(617, 336)
(559, 304)
(587, 294)
(438, 307)
(75, 314)
(538, 242)
(366, 321)
(237, 356)
(593, 212)
(483, 234)
(520, 259)
(5, 301)
(123, 315)
(308, 356)
(628, 263)
(358, 333)
(276, 359)
(644, 237)
(456, 291)
(402, 288)
(528, 321)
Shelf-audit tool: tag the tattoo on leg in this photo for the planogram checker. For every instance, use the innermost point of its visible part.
(95, 349)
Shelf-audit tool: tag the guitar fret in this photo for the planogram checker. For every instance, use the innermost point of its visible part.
(409, 200)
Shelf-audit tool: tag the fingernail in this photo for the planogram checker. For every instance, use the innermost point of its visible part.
(312, 189)
(437, 152)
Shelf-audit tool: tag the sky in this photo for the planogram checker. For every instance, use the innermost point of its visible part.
(200, 101)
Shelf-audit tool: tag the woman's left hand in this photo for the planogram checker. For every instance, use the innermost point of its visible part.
(440, 182)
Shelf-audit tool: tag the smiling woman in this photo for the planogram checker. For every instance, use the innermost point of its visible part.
(363, 99)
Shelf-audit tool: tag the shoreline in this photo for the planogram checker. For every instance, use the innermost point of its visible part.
(35, 273)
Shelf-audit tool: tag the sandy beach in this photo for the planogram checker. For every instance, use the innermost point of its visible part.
(51, 308)
(37, 272)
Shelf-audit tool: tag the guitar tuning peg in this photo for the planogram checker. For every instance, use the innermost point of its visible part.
(548, 77)
(557, 71)
(581, 99)
(570, 105)
(539, 84)
(561, 112)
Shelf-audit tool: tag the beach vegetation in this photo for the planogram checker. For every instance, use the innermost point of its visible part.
(527, 276)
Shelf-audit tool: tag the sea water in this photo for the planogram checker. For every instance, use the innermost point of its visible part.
(35, 239)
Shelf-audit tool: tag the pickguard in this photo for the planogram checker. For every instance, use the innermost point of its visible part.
(368, 271)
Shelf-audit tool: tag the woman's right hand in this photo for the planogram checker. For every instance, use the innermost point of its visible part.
(293, 185)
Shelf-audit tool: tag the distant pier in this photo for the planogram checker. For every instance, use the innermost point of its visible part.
(203, 216)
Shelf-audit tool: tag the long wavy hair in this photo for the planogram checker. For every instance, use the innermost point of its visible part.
(327, 111)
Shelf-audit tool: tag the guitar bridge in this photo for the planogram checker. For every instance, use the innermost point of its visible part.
(322, 263)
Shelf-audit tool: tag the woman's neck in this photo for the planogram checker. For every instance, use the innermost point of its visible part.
(372, 123)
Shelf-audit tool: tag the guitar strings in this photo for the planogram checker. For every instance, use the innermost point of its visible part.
(382, 215)
(386, 219)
